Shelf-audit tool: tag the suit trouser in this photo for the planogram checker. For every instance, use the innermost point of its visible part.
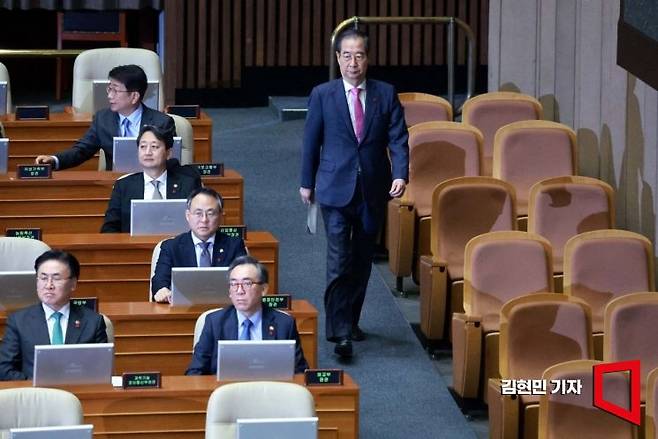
(350, 249)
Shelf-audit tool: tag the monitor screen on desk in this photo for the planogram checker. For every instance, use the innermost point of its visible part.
(157, 217)
(3, 97)
(4, 155)
(245, 360)
(277, 428)
(126, 159)
(99, 94)
(61, 432)
(71, 364)
(18, 289)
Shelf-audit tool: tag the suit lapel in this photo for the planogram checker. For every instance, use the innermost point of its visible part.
(372, 103)
(136, 188)
(230, 325)
(218, 251)
(341, 107)
(173, 185)
(268, 324)
(186, 248)
(146, 117)
(38, 317)
(75, 326)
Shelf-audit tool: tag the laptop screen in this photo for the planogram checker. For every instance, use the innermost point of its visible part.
(157, 217)
(99, 94)
(125, 158)
(199, 286)
(18, 289)
(277, 428)
(64, 364)
(239, 360)
(61, 432)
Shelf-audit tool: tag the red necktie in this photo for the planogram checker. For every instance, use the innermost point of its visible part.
(358, 113)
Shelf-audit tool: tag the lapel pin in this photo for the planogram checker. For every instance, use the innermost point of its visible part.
(270, 330)
(77, 324)
(221, 250)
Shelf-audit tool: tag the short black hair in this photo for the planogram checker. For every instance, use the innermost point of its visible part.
(263, 276)
(61, 256)
(350, 33)
(165, 136)
(206, 191)
(132, 76)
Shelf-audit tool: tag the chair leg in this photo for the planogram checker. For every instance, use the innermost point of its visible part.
(399, 286)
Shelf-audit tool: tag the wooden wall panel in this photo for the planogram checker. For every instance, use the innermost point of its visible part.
(210, 42)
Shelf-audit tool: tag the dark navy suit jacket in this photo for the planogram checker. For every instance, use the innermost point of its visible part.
(332, 157)
(179, 252)
(27, 328)
(131, 187)
(223, 325)
(104, 127)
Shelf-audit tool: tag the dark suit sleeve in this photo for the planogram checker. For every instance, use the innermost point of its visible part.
(83, 149)
(112, 222)
(100, 331)
(300, 361)
(240, 250)
(312, 141)
(10, 353)
(398, 144)
(162, 276)
(203, 351)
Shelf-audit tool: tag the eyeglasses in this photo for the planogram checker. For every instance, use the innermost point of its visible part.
(55, 278)
(234, 285)
(200, 214)
(348, 56)
(111, 91)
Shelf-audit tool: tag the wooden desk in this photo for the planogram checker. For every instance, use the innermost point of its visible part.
(153, 336)
(116, 267)
(178, 409)
(75, 201)
(30, 138)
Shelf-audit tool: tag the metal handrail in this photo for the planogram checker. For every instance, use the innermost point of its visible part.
(39, 53)
(450, 21)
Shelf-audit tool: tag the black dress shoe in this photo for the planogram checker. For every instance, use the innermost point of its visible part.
(344, 348)
(358, 334)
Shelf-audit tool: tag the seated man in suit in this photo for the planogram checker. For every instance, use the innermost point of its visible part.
(155, 182)
(125, 117)
(52, 321)
(202, 246)
(246, 319)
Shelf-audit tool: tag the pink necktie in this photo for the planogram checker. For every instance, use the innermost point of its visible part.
(358, 113)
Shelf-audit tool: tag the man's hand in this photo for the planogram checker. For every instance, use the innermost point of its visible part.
(163, 295)
(306, 194)
(45, 160)
(397, 188)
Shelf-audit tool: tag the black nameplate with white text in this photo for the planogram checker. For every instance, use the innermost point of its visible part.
(277, 301)
(28, 172)
(208, 169)
(30, 233)
(32, 112)
(89, 302)
(186, 111)
(234, 231)
(323, 377)
(141, 380)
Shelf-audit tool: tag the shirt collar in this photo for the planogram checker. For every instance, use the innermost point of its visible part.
(65, 310)
(196, 240)
(135, 117)
(349, 86)
(255, 318)
(162, 178)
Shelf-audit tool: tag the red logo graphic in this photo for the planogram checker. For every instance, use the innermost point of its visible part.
(633, 367)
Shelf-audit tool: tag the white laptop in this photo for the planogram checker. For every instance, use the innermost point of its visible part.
(126, 159)
(199, 286)
(61, 432)
(277, 428)
(3, 97)
(71, 364)
(4, 155)
(239, 360)
(18, 290)
(99, 94)
(157, 217)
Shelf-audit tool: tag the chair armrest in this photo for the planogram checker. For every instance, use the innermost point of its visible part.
(504, 412)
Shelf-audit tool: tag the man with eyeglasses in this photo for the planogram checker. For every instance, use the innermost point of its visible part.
(52, 321)
(355, 156)
(202, 246)
(125, 117)
(246, 319)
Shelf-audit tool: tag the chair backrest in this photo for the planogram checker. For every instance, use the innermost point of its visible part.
(184, 130)
(423, 107)
(490, 111)
(630, 332)
(38, 407)
(4, 76)
(651, 421)
(562, 207)
(529, 151)
(463, 208)
(499, 266)
(18, 254)
(540, 330)
(95, 64)
(109, 328)
(604, 264)
(256, 399)
(198, 326)
(573, 415)
(439, 151)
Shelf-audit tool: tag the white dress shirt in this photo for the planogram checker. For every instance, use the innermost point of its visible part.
(149, 188)
(198, 248)
(256, 331)
(63, 321)
(362, 98)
